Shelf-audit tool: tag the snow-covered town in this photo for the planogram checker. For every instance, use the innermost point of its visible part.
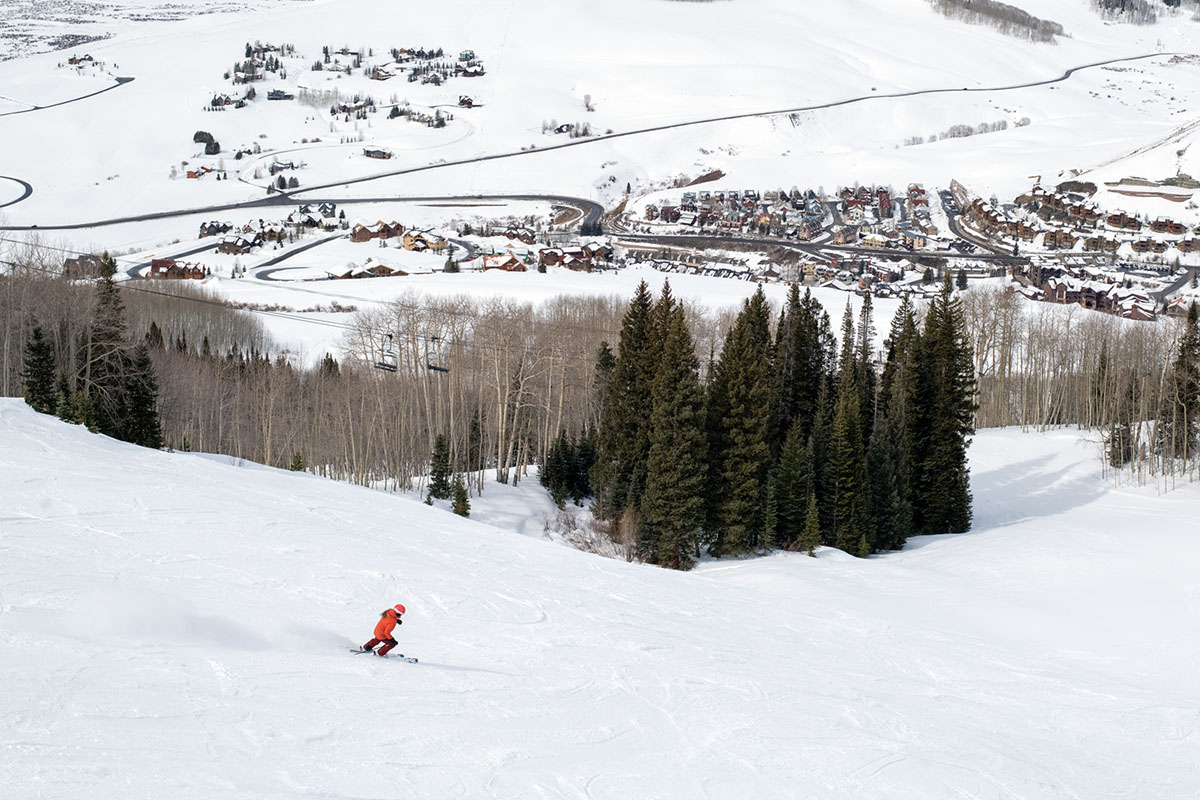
(652, 399)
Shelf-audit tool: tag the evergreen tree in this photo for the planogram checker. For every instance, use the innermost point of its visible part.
(62, 396)
(865, 376)
(141, 392)
(475, 443)
(672, 507)
(297, 464)
(106, 357)
(329, 367)
(623, 440)
(585, 456)
(154, 337)
(769, 539)
(1120, 444)
(439, 471)
(1179, 422)
(799, 364)
(555, 473)
(117, 380)
(76, 407)
(660, 322)
(462, 503)
(947, 377)
(892, 508)
(741, 459)
(817, 460)
(39, 375)
(810, 538)
(852, 521)
(606, 365)
(852, 516)
(898, 430)
(900, 351)
(793, 485)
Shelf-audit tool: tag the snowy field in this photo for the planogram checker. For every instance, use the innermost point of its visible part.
(177, 625)
(309, 335)
(116, 150)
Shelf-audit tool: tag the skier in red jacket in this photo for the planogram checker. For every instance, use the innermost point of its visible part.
(388, 620)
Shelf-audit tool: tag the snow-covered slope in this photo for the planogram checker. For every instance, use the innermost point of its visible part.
(640, 63)
(173, 625)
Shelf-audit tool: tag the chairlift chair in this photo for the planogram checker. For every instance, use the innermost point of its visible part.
(435, 358)
(386, 357)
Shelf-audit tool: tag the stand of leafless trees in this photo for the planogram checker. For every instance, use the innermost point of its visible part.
(1008, 19)
(500, 379)
(1044, 365)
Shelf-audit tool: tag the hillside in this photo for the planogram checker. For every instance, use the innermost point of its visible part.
(173, 624)
(646, 64)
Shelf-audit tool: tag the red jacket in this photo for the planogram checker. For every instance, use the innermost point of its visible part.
(385, 626)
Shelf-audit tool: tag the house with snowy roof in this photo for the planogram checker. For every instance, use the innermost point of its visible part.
(420, 240)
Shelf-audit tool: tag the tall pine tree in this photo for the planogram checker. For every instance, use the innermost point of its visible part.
(439, 470)
(672, 508)
(106, 357)
(741, 459)
(853, 518)
(40, 373)
(1179, 421)
(619, 475)
(141, 391)
(947, 375)
(793, 484)
(897, 428)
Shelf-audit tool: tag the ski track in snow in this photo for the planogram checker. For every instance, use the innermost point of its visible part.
(192, 643)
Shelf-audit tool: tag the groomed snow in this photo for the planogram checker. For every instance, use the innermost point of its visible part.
(174, 625)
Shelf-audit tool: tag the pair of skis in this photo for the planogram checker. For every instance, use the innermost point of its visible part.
(395, 656)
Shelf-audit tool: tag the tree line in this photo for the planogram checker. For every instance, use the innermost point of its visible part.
(1046, 365)
(726, 433)
(499, 380)
(793, 438)
(106, 381)
(1003, 17)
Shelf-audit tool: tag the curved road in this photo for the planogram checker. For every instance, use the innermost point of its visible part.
(748, 115)
(25, 184)
(288, 197)
(592, 210)
(266, 271)
(120, 82)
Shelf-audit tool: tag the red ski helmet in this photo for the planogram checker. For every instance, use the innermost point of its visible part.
(399, 608)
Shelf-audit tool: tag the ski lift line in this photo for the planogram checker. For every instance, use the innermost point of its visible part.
(281, 285)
